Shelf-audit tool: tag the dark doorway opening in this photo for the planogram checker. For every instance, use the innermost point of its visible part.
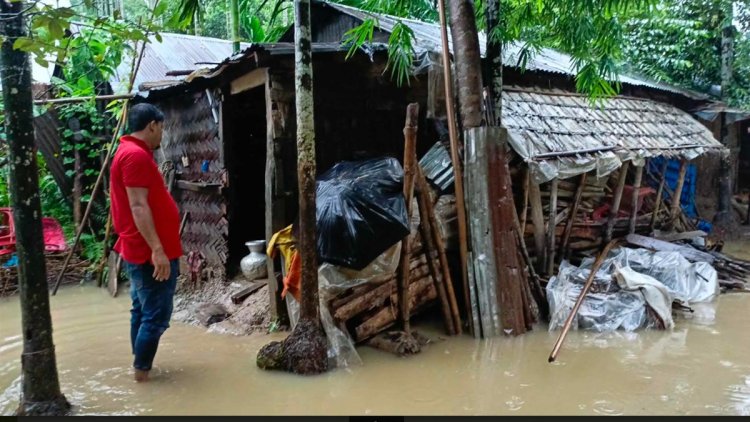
(244, 123)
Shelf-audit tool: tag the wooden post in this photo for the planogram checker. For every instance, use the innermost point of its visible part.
(636, 192)
(455, 160)
(550, 255)
(537, 218)
(410, 161)
(659, 194)
(616, 199)
(677, 194)
(572, 216)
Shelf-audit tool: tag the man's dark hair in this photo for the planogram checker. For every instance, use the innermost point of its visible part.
(140, 115)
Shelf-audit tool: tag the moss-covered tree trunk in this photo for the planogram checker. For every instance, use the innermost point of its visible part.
(41, 388)
(305, 350)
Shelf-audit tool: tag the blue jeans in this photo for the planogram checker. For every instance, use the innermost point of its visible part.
(152, 309)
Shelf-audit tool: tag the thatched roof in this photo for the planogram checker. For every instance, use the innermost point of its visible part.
(562, 135)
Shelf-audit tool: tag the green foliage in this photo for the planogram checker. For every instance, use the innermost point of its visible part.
(679, 42)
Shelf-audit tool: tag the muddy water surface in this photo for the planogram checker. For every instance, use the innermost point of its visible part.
(701, 367)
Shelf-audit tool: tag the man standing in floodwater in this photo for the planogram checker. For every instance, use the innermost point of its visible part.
(147, 221)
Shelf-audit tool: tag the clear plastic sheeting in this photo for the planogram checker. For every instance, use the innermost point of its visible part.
(606, 307)
(333, 280)
(688, 283)
(609, 307)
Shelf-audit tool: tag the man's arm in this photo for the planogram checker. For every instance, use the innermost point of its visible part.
(138, 198)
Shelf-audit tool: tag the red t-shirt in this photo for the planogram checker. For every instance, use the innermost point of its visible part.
(133, 166)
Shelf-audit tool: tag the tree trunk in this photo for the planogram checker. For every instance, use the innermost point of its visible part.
(494, 61)
(41, 388)
(468, 62)
(724, 218)
(305, 350)
(234, 21)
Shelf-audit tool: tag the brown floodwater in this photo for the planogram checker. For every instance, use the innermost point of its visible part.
(702, 367)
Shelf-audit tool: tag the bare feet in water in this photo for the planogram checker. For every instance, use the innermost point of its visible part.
(141, 376)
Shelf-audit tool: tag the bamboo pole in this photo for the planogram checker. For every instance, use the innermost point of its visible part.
(581, 296)
(616, 199)
(572, 216)
(455, 160)
(659, 194)
(438, 239)
(110, 150)
(636, 193)
(677, 194)
(551, 224)
(72, 100)
(410, 159)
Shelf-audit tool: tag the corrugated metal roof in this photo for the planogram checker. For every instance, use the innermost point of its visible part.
(428, 37)
(176, 52)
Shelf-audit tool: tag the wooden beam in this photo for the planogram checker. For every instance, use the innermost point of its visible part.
(636, 192)
(250, 80)
(537, 218)
(616, 199)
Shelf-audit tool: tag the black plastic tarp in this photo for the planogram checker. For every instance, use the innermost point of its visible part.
(361, 211)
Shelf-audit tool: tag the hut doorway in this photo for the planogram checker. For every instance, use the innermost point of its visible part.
(244, 126)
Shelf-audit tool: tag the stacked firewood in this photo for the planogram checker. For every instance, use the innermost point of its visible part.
(371, 308)
(733, 272)
(75, 273)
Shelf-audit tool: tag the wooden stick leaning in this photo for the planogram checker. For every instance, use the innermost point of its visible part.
(589, 281)
(455, 160)
(440, 246)
(429, 248)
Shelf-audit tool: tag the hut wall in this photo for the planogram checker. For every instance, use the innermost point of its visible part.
(191, 130)
(359, 114)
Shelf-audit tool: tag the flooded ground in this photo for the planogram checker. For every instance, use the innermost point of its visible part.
(701, 367)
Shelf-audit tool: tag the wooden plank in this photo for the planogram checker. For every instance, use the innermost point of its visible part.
(634, 203)
(691, 254)
(616, 201)
(243, 294)
(537, 219)
(250, 80)
(479, 215)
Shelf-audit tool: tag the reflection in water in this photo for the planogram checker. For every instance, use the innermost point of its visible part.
(698, 368)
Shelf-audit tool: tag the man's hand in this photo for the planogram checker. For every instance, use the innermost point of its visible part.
(162, 269)
(138, 198)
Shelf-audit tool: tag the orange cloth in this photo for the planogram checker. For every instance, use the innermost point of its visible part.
(292, 281)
